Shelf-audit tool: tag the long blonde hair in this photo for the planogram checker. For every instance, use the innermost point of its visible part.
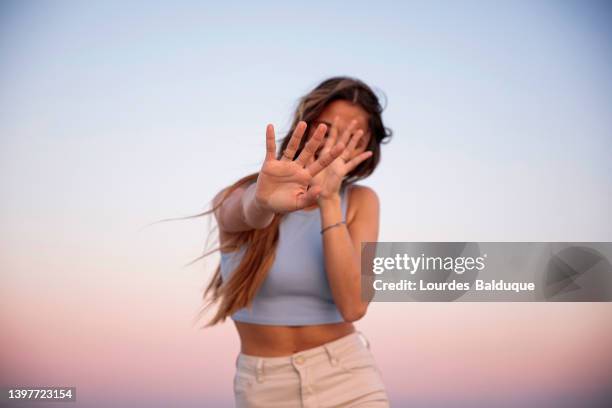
(260, 244)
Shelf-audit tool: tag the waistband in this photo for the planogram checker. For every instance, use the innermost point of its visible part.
(331, 351)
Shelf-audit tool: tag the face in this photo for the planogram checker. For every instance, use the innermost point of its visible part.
(345, 112)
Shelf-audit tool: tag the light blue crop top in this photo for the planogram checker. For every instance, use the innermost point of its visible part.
(296, 291)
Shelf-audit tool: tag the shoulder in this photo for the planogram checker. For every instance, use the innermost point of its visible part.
(360, 195)
(362, 200)
(221, 195)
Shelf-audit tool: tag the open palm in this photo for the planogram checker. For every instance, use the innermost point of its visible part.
(286, 185)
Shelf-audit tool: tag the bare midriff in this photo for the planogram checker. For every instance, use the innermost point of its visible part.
(276, 341)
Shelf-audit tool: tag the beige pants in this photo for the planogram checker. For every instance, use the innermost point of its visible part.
(341, 373)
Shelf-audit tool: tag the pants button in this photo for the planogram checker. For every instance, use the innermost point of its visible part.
(299, 360)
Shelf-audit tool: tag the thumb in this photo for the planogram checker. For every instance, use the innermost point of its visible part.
(308, 198)
(355, 161)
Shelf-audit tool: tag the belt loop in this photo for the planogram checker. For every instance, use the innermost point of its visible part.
(259, 370)
(333, 360)
(363, 338)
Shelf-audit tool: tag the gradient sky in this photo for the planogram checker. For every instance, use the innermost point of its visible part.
(114, 115)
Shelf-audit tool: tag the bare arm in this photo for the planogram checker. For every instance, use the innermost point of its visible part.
(241, 211)
(342, 249)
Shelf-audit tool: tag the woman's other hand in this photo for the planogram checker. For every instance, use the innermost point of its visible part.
(329, 179)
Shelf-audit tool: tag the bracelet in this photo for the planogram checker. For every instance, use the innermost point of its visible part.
(332, 226)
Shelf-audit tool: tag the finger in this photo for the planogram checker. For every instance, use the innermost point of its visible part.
(327, 145)
(348, 152)
(270, 143)
(365, 139)
(332, 136)
(355, 161)
(347, 132)
(325, 159)
(354, 140)
(312, 145)
(307, 198)
(312, 160)
(333, 132)
(294, 142)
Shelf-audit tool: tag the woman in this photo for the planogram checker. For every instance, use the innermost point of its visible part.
(290, 239)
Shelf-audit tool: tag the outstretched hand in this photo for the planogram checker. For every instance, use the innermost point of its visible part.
(286, 185)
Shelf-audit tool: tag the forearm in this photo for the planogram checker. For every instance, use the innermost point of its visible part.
(341, 261)
(241, 212)
(253, 214)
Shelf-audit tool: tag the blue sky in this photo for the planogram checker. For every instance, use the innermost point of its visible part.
(501, 111)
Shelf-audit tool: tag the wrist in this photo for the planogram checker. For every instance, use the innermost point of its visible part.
(259, 205)
(327, 201)
(256, 211)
